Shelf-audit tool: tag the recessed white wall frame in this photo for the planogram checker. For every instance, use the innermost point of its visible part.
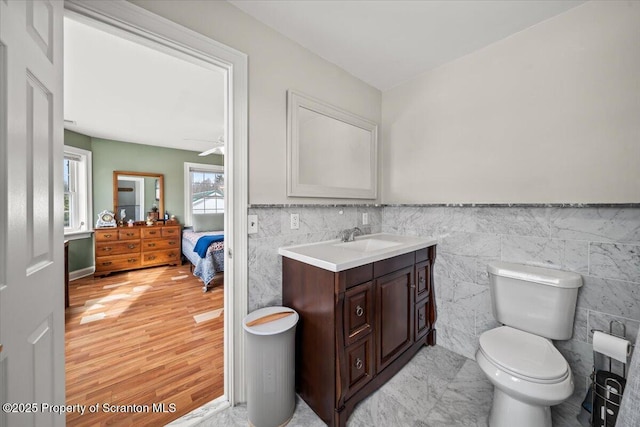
(330, 152)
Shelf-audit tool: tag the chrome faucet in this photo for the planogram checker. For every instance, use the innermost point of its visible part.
(349, 234)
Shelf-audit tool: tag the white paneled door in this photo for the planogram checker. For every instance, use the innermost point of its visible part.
(31, 232)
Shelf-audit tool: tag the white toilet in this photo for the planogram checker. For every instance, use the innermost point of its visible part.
(529, 374)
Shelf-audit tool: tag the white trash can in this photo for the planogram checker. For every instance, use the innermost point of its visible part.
(270, 336)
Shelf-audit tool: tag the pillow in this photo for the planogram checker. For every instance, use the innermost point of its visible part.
(208, 222)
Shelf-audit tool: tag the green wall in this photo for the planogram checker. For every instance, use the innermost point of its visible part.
(81, 250)
(76, 139)
(111, 155)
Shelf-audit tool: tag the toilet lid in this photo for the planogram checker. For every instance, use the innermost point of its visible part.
(524, 354)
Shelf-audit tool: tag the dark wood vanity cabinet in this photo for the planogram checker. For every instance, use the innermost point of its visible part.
(357, 327)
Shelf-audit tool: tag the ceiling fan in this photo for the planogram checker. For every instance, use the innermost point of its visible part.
(218, 148)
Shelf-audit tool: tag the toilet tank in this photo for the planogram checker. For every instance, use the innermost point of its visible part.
(538, 300)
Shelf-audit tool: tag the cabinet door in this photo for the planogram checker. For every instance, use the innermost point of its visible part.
(394, 315)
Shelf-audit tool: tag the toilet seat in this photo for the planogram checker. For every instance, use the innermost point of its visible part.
(523, 355)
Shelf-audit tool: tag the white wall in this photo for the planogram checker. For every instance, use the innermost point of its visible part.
(550, 114)
(276, 64)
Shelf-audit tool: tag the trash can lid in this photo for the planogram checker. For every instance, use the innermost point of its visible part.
(270, 320)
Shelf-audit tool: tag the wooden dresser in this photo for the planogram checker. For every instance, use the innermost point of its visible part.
(128, 248)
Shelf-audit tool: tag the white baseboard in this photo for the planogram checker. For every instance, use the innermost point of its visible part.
(77, 274)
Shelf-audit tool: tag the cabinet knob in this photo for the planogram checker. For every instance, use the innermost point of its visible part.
(106, 249)
(358, 363)
(151, 257)
(131, 260)
(151, 245)
(421, 279)
(106, 263)
(359, 311)
(131, 246)
(107, 236)
(421, 316)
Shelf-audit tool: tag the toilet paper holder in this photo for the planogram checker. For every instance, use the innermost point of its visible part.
(607, 387)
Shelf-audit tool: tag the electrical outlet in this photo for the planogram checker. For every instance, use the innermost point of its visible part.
(365, 218)
(295, 221)
(253, 224)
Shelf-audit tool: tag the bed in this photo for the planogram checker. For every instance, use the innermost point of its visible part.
(209, 260)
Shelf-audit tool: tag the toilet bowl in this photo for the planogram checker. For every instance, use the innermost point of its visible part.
(529, 375)
(535, 305)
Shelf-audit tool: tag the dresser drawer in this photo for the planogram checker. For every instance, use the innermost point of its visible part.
(117, 248)
(359, 365)
(358, 312)
(106, 235)
(151, 232)
(168, 256)
(129, 233)
(157, 244)
(170, 231)
(117, 262)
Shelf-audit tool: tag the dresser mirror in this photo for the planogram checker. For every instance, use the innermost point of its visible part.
(330, 152)
(138, 195)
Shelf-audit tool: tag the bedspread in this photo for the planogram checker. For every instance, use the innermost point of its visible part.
(205, 268)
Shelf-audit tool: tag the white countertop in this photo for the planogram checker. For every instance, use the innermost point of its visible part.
(334, 255)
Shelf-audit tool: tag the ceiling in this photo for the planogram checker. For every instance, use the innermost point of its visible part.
(385, 43)
(116, 88)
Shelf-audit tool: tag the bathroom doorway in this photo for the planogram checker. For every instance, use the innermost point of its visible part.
(133, 22)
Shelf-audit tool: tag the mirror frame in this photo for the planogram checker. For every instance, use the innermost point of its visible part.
(158, 176)
(295, 188)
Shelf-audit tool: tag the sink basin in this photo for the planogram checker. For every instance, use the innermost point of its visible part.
(367, 245)
(334, 255)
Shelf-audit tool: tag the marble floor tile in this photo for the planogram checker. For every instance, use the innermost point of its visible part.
(437, 388)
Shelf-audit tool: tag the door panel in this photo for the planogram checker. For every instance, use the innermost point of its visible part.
(394, 310)
(31, 231)
(38, 166)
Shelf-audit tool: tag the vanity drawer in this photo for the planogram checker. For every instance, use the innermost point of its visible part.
(170, 231)
(358, 312)
(169, 256)
(396, 263)
(117, 248)
(157, 244)
(129, 233)
(422, 325)
(423, 280)
(357, 275)
(117, 262)
(106, 235)
(359, 358)
(151, 232)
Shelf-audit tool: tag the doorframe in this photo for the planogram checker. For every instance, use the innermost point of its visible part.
(162, 33)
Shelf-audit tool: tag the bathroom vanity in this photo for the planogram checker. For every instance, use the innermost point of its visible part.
(366, 307)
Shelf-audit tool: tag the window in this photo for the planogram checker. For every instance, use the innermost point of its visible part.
(77, 192)
(204, 190)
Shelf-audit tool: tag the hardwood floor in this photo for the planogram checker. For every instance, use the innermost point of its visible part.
(141, 338)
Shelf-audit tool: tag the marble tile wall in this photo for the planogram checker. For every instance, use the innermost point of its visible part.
(316, 224)
(602, 244)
